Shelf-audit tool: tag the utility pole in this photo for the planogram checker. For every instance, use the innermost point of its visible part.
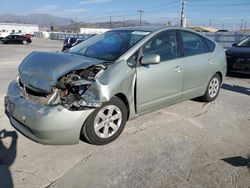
(245, 27)
(76, 24)
(210, 22)
(110, 22)
(241, 24)
(73, 24)
(182, 13)
(124, 22)
(140, 11)
(223, 26)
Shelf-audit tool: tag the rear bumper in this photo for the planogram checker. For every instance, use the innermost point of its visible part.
(41, 123)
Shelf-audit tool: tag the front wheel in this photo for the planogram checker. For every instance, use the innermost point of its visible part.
(105, 123)
(213, 89)
(25, 42)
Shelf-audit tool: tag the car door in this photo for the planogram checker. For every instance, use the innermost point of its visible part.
(14, 39)
(159, 84)
(9, 39)
(19, 39)
(197, 64)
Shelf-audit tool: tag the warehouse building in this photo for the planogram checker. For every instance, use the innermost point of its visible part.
(7, 28)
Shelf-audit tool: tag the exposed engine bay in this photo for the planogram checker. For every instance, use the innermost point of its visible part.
(68, 90)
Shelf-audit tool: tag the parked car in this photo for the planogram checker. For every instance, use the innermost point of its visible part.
(95, 87)
(238, 57)
(72, 41)
(15, 39)
(222, 31)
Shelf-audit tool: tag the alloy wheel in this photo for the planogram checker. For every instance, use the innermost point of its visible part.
(107, 121)
(213, 87)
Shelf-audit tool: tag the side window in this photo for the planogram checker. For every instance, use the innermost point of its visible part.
(163, 44)
(210, 45)
(192, 44)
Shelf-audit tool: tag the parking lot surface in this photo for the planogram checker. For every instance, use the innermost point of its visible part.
(190, 144)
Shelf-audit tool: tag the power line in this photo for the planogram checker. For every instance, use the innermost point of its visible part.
(121, 13)
(219, 4)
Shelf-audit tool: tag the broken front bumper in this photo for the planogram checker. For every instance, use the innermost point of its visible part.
(41, 123)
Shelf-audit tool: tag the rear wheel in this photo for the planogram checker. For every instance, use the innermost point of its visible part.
(106, 123)
(213, 89)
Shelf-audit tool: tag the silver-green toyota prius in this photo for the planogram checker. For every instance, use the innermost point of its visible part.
(94, 88)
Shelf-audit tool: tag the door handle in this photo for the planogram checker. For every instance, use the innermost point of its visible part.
(178, 69)
(210, 61)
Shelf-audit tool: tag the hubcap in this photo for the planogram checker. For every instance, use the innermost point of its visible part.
(107, 121)
(213, 87)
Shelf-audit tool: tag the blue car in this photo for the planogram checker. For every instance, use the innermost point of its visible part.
(72, 41)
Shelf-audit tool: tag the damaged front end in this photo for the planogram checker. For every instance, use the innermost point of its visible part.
(68, 91)
(60, 83)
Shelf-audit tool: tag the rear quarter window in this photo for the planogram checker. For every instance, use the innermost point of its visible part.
(210, 45)
(193, 44)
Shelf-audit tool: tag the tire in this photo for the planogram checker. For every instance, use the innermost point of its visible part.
(213, 89)
(25, 42)
(105, 123)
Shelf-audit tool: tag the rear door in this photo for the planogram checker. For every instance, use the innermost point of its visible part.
(197, 64)
(159, 84)
(19, 39)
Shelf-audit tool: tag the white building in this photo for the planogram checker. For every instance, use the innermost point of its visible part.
(93, 30)
(7, 28)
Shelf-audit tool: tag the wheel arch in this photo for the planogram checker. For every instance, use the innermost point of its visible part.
(221, 77)
(125, 101)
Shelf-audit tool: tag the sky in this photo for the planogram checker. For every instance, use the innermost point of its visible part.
(227, 14)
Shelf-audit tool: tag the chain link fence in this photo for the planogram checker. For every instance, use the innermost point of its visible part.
(226, 39)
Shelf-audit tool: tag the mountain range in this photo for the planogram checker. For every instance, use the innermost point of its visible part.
(66, 24)
(43, 20)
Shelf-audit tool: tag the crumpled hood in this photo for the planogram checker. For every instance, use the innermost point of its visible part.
(41, 70)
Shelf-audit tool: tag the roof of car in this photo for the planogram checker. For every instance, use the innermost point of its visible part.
(141, 28)
(151, 28)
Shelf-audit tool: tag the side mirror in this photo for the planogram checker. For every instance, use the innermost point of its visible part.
(234, 44)
(150, 59)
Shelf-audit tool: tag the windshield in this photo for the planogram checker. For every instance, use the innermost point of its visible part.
(244, 43)
(109, 45)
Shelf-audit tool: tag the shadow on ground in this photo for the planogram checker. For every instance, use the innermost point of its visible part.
(238, 161)
(238, 75)
(7, 157)
(236, 88)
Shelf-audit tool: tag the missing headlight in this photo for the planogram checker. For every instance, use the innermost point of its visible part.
(73, 86)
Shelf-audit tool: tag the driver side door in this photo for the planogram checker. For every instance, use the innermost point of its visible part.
(160, 84)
